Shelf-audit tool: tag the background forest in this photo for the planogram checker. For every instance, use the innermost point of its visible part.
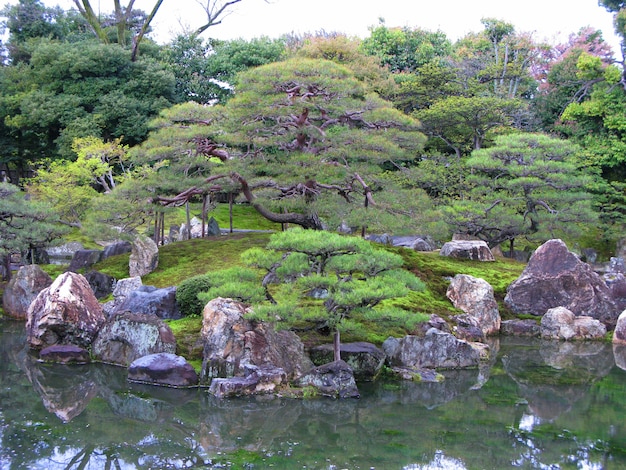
(495, 135)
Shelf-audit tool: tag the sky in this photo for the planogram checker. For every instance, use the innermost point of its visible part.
(551, 20)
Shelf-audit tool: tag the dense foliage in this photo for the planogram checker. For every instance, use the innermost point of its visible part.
(402, 131)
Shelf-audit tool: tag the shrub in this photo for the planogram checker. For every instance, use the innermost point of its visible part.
(187, 294)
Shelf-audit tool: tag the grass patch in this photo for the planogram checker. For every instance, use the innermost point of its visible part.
(187, 333)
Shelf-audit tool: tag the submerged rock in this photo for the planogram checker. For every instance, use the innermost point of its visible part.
(163, 369)
(334, 379)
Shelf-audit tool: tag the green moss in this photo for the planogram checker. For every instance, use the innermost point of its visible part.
(187, 333)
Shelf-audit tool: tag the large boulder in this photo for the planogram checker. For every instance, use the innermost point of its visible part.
(516, 327)
(163, 369)
(22, 289)
(555, 277)
(231, 342)
(128, 336)
(561, 323)
(144, 257)
(436, 350)
(67, 312)
(365, 359)
(152, 301)
(467, 249)
(334, 379)
(475, 297)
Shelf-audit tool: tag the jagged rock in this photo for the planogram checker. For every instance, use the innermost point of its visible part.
(144, 257)
(163, 369)
(232, 342)
(117, 248)
(561, 323)
(475, 297)
(101, 284)
(520, 328)
(65, 354)
(365, 359)
(334, 379)
(256, 381)
(122, 289)
(467, 249)
(436, 350)
(555, 277)
(152, 301)
(67, 312)
(84, 259)
(468, 328)
(128, 336)
(22, 289)
(616, 282)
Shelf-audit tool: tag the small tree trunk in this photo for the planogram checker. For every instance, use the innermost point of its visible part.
(204, 213)
(157, 230)
(337, 346)
(162, 228)
(230, 211)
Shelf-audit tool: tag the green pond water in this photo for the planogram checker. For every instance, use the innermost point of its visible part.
(545, 405)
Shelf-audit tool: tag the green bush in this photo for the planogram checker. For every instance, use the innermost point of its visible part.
(187, 294)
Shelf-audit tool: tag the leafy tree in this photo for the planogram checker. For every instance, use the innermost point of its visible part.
(348, 273)
(526, 185)
(24, 224)
(464, 122)
(205, 71)
(71, 90)
(406, 49)
(71, 186)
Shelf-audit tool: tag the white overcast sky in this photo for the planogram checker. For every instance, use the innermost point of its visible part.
(551, 20)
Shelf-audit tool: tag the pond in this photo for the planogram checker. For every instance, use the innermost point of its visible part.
(538, 404)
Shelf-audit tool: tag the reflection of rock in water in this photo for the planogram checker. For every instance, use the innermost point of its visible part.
(619, 353)
(64, 390)
(257, 422)
(553, 375)
(432, 394)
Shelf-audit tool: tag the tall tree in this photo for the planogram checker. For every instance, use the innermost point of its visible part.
(307, 143)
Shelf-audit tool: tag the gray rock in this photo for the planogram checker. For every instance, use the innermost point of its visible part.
(118, 248)
(67, 312)
(121, 290)
(151, 301)
(475, 297)
(467, 249)
(555, 277)
(22, 289)
(334, 379)
(436, 350)
(365, 359)
(128, 336)
(101, 284)
(257, 381)
(619, 335)
(231, 342)
(561, 323)
(144, 257)
(213, 228)
(84, 259)
(163, 369)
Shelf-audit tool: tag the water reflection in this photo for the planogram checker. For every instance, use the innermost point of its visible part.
(539, 405)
